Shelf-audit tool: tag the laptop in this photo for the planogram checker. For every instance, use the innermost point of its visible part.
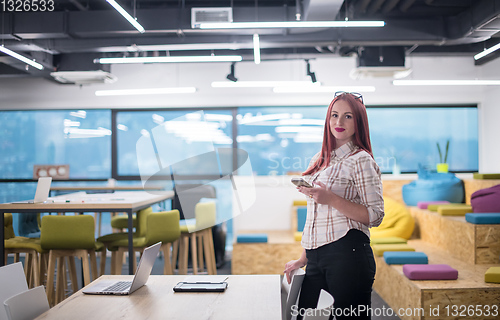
(127, 287)
(42, 191)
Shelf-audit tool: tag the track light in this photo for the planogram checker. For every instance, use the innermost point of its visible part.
(126, 15)
(21, 57)
(309, 73)
(231, 76)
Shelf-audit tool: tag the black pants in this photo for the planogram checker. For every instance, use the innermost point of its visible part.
(346, 269)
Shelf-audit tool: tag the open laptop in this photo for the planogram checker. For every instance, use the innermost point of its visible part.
(42, 191)
(127, 287)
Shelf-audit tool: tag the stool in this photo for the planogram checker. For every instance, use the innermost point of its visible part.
(430, 272)
(387, 240)
(68, 236)
(483, 218)
(160, 227)
(379, 249)
(201, 232)
(492, 275)
(252, 238)
(405, 257)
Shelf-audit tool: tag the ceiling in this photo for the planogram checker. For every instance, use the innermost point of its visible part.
(78, 31)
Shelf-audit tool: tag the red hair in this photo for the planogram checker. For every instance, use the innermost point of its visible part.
(361, 132)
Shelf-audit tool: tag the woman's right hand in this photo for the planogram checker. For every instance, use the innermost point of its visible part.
(293, 265)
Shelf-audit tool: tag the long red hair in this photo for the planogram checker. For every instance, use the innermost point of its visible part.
(361, 132)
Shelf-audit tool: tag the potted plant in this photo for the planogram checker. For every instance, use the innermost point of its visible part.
(442, 166)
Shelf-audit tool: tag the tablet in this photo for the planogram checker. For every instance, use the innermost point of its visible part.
(200, 287)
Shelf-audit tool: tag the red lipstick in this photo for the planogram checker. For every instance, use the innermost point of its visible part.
(339, 129)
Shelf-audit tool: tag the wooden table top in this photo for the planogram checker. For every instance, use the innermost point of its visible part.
(246, 297)
(119, 188)
(84, 201)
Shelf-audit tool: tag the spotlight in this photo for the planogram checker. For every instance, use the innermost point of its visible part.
(231, 76)
(309, 73)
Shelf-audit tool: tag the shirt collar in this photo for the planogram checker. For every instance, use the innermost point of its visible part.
(345, 150)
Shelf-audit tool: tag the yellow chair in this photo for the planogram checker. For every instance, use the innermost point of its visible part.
(397, 222)
(159, 227)
(68, 236)
(201, 238)
(33, 268)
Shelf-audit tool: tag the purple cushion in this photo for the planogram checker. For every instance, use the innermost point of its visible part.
(486, 200)
(430, 272)
(424, 204)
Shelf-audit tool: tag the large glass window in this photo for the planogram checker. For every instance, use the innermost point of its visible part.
(283, 140)
(81, 139)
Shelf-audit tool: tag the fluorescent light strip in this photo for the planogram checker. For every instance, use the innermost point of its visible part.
(487, 52)
(169, 59)
(256, 49)
(446, 82)
(291, 24)
(133, 92)
(325, 89)
(126, 15)
(263, 84)
(22, 58)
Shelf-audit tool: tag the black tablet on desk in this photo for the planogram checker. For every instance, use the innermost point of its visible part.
(200, 287)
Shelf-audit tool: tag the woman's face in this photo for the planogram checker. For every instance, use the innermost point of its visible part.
(342, 123)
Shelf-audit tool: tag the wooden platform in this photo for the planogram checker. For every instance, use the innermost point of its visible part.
(420, 296)
(265, 258)
(472, 243)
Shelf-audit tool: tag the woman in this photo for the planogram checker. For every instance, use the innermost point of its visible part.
(346, 200)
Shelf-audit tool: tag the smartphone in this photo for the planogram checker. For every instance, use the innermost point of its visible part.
(200, 287)
(300, 182)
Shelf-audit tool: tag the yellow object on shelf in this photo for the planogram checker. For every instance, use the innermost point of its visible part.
(486, 175)
(300, 203)
(379, 249)
(388, 240)
(457, 210)
(492, 275)
(442, 167)
(297, 235)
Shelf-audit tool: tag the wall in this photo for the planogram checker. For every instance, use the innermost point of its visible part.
(38, 93)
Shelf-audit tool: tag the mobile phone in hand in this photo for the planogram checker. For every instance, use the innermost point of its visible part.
(300, 182)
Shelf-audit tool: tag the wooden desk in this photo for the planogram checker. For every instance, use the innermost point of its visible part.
(246, 297)
(127, 202)
(105, 188)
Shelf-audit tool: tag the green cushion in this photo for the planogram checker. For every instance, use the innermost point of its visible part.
(457, 210)
(8, 229)
(486, 175)
(185, 228)
(388, 240)
(67, 232)
(435, 207)
(24, 243)
(121, 221)
(492, 275)
(99, 246)
(379, 249)
(114, 237)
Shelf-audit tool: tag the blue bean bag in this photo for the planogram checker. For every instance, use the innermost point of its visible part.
(432, 186)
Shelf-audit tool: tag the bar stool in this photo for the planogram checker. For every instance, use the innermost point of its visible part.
(159, 227)
(33, 269)
(68, 236)
(201, 238)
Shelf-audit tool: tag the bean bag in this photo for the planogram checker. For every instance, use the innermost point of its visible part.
(397, 221)
(432, 186)
(486, 200)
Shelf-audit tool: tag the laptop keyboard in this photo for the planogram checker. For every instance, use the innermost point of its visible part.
(119, 286)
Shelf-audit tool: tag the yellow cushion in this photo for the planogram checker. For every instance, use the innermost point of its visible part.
(388, 240)
(397, 221)
(300, 203)
(379, 249)
(297, 235)
(185, 228)
(458, 210)
(486, 175)
(24, 243)
(492, 275)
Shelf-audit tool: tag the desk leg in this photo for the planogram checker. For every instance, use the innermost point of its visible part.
(2, 245)
(131, 242)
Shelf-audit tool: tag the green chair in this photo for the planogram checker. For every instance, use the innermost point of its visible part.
(201, 238)
(33, 265)
(159, 227)
(121, 221)
(68, 236)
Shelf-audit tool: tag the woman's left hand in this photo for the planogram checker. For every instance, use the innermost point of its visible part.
(320, 193)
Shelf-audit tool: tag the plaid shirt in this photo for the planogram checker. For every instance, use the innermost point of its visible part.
(352, 175)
